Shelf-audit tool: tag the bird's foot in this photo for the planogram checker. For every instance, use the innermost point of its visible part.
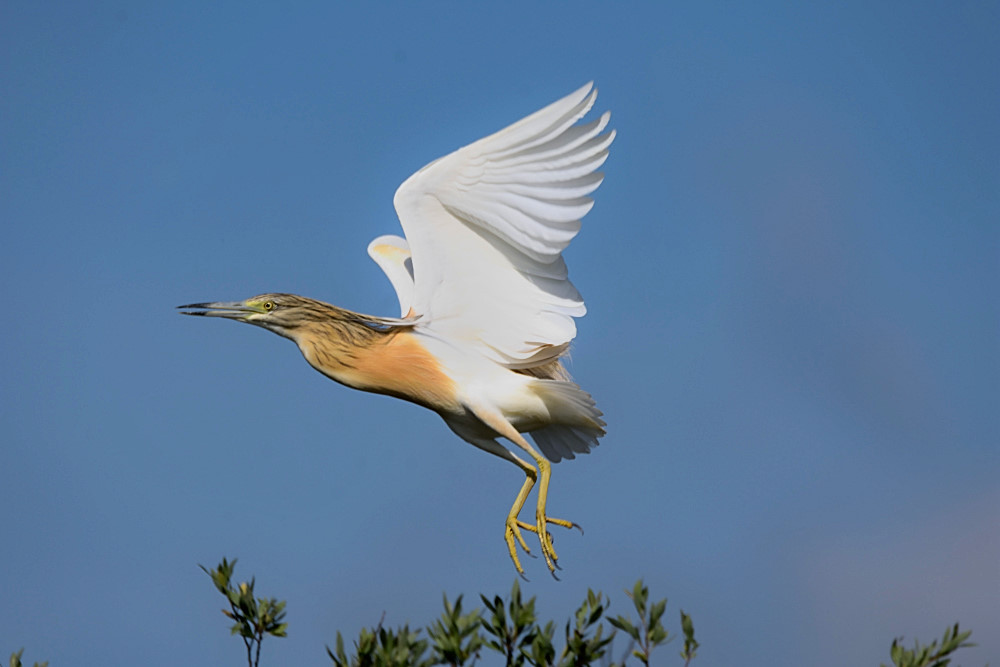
(513, 532)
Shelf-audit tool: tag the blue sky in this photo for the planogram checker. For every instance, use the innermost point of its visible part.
(791, 273)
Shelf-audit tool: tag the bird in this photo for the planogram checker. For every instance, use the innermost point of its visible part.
(487, 310)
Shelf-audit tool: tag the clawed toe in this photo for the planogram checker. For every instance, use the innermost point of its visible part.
(514, 538)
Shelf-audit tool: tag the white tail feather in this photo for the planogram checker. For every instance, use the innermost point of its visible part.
(577, 422)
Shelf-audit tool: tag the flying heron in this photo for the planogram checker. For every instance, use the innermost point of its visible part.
(486, 307)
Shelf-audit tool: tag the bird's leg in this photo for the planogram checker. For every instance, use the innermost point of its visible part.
(513, 524)
(544, 471)
(542, 520)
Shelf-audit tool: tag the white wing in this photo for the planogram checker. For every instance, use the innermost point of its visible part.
(392, 254)
(487, 224)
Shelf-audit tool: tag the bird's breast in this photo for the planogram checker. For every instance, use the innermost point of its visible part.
(398, 364)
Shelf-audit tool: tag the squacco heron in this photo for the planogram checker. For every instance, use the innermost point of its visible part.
(486, 307)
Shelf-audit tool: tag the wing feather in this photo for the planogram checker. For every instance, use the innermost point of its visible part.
(486, 226)
(571, 139)
(392, 254)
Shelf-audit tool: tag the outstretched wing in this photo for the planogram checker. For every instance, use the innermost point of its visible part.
(392, 254)
(486, 226)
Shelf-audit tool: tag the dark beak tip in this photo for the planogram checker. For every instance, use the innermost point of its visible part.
(232, 310)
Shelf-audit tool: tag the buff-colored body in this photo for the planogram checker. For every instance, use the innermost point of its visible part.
(401, 362)
(394, 362)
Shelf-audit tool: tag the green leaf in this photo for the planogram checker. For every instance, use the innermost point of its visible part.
(656, 611)
(623, 623)
(639, 595)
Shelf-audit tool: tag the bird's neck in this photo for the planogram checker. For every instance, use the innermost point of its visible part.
(335, 342)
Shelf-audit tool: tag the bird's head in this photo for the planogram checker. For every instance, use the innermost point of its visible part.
(281, 313)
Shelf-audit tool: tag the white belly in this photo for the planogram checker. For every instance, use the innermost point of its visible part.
(481, 383)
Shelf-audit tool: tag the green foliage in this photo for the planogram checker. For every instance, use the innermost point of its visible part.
(512, 629)
(586, 643)
(253, 618)
(690, 643)
(931, 655)
(15, 660)
(454, 640)
(383, 648)
(456, 637)
(649, 633)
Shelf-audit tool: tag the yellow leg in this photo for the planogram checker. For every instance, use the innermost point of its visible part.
(544, 537)
(513, 526)
(511, 530)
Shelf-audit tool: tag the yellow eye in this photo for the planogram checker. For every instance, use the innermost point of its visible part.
(268, 306)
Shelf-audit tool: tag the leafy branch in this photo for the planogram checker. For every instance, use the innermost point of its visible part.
(254, 618)
(513, 629)
(931, 655)
(382, 647)
(649, 633)
(15, 660)
(510, 628)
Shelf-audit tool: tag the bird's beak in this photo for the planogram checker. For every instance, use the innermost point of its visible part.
(233, 310)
